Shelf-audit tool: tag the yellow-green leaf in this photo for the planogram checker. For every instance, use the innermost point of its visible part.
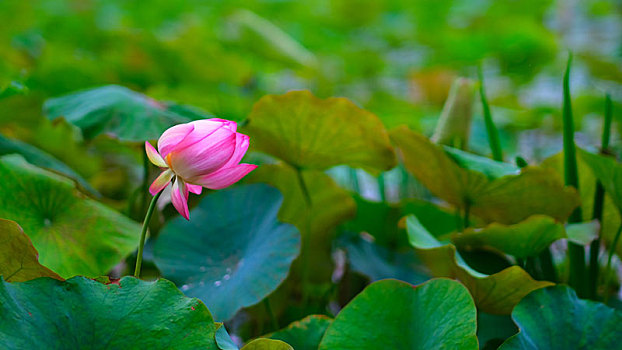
(19, 260)
(496, 294)
(313, 133)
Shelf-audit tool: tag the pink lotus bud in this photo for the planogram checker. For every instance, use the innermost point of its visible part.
(203, 153)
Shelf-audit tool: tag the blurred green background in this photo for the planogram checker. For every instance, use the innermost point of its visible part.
(394, 58)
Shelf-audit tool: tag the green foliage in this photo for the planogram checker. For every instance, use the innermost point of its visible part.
(508, 199)
(305, 334)
(496, 294)
(40, 158)
(438, 314)
(74, 235)
(114, 110)
(330, 206)
(312, 133)
(234, 251)
(82, 313)
(526, 239)
(554, 318)
(19, 260)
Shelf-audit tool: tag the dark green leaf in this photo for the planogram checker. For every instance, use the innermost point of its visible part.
(378, 262)
(42, 159)
(114, 110)
(554, 318)
(84, 314)
(392, 314)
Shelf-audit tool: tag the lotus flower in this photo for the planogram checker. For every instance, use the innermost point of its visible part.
(203, 153)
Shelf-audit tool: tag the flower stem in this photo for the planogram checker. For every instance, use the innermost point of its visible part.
(143, 234)
(491, 129)
(576, 252)
(612, 250)
(599, 199)
(306, 237)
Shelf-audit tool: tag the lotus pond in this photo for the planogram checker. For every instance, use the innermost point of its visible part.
(348, 174)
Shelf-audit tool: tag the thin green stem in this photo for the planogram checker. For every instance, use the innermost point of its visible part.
(273, 321)
(599, 199)
(467, 210)
(381, 187)
(143, 234)
(546, 265)
(576, 252)
(355, 181)
(303, 187)
(491, 129)
(612, 250)
(304, 255)
(607, 125)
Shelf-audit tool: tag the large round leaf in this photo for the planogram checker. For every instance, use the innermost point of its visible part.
(114, 110)
(84, 314)
(496, 294)
(305, 334)
(233, 252)
(554, 318)
(314, 133)
(392, 314)
(19, 260)
(73, 234)
(508, 199)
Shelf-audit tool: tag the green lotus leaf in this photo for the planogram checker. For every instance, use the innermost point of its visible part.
(84, 314)
(330, 206)
(114, 110)
(305, 334)
(507, 200)
(312, 133)
(19, 260)
(234, 251)
(555, 318)
(497, 293)
(267, 344)
(392, 314)
(42, 159)
(525, 239)
(73, 234)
